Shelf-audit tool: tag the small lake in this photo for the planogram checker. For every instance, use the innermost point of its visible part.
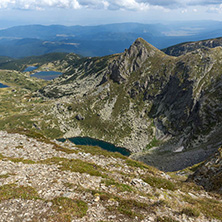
(3, 86)
(30, 68)
(94, 142)
(47, 75)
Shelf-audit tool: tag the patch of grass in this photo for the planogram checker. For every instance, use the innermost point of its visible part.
(128, 207)
(137, 164)
(160, 183)
(17, 160)
(29, 133)
(76, 165)
(21, 80)
(4, 176)
(25, 161)
(153, 143)
(95, 150)
(11, 191)
(132, 208)
(191, 169)
(64, 149)
(68, 208)
(38, 136)
(165, 219)
(1, 156)
(16, 120)
(120, 187)
(191, 212)
(209, 207)
(188, 186)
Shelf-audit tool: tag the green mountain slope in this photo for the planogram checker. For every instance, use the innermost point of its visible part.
(21, 64)
(144, 99)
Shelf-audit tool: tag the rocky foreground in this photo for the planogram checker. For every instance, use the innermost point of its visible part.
(43, 180)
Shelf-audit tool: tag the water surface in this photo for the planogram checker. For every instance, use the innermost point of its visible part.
(30, 68)
(47, 75)
(94, 142)
(3, 86)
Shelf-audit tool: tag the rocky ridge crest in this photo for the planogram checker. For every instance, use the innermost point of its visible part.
(183, 48)
(131, 60)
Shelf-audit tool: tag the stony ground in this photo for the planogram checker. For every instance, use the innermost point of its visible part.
(43, 180)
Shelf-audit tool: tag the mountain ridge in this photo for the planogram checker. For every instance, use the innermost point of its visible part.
(183, 48)
(171, 105)
(170, 94)
(98, 40)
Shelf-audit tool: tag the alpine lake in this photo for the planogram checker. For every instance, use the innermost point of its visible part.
(46, 75)
(3, 86)
(94, 142)
(49, 75)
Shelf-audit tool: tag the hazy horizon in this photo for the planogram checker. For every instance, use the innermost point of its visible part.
(95, 12)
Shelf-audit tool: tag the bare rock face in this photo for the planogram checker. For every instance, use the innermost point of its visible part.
(183, 48)
(209, 175)
(131, 60)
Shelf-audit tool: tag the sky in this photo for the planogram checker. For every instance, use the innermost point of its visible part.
(95, 12)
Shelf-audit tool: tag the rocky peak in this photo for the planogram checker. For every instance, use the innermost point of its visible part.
(141, 49)
(131, 60)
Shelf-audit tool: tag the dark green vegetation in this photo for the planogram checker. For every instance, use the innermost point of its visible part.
(21, 64)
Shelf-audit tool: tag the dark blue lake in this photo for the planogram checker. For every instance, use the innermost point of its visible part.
(94, 142)
(3, 86)
(47, 75)
(30, 68)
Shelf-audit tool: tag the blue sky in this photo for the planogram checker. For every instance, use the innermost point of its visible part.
(86, 12)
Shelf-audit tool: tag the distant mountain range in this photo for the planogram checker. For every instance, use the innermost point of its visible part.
(23, 41)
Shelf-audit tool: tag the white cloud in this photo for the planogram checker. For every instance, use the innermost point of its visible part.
(184, 11)
(129, 4)
(75, 4)
(107, 4)
(217, 9)
(39, 4)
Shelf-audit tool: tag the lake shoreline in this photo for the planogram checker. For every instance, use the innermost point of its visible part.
(95, 142)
